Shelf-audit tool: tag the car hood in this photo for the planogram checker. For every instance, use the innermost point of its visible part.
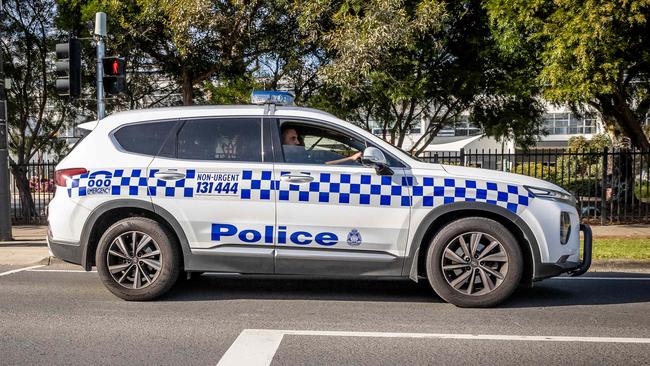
(492, 175)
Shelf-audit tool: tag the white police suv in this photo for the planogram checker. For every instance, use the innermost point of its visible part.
(150, 195)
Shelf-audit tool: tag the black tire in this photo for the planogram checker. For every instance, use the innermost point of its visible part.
(169, 259)
(489, 293)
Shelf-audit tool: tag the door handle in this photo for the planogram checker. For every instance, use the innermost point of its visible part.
(169, 175)
(297, 178)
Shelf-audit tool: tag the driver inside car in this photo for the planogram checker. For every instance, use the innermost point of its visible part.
(295, 152)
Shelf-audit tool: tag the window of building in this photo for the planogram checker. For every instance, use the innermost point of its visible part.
(569, 123)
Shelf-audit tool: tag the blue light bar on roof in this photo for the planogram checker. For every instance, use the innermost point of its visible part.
(271, 97)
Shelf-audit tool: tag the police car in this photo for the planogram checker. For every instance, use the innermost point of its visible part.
(150, 196)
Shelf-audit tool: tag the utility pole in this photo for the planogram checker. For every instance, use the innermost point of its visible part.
(5, 200)
(100, 34)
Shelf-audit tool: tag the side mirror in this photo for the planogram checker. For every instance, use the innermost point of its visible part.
(374, 157)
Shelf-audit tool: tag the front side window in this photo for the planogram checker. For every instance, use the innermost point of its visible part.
(229, 139)
(307, 144)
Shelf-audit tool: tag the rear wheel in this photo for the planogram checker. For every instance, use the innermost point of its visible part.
(138, 259)
(474, 262)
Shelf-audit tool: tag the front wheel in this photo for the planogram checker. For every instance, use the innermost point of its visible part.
(138, 259)
(474, 262)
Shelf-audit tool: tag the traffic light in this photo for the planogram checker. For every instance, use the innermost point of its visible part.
(68, 68)
(114, 75)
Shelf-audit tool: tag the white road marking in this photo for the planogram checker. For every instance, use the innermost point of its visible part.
(20, 270)
(61, 270)
(258, 346)
(603, 278)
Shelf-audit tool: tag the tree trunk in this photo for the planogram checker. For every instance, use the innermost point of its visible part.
(27, 207)
(187, 87)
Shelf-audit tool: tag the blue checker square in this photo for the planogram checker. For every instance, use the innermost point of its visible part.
(492, 186)
(314, 187)
(118, 173)
(492, 202)
(125, 181)
(427, 201)
(418, 191)
(179, 183)
(188, 192)
(325, 177)
(502, 197)
(169, 192)
(323, 197)
(151, 191)
(142, 182)
(365, 179)
(344, 198)
(449, 182)
(375, 189)
(459, 192)
(246, 194)
(406, 201)
(345, 178)
(386, 180)
(439, 191)
(275, 184)
(190, 174)
(294, 187)
(512, 207)
(160, 183)
(335, 187)
(75, 183)
(427, 182)
(256, 184)
(364, 199)
(513, 189)
(384, 200)
(115, 190)
(247, 174)
(303, 196)
(133, 191)
(407, 181)
(283, 196)
(137, 172)
(396, 190)
(523, 200)
(470, 184)
(449, 200)
(82, 191)
(355, 188)
(481, 194)
(266, 175)
(470, 199)
(265, 194)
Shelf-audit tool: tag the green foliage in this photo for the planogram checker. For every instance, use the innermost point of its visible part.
(235, 91)
(642, 191)
(537, 170)
(585, 53)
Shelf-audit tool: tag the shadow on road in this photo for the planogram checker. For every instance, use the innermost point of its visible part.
(552, 292)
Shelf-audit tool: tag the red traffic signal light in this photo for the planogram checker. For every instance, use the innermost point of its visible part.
(114, 75)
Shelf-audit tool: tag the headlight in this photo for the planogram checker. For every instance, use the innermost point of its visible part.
(551, 194)
(565, 227)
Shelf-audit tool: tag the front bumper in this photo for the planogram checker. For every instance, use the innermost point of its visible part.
(67, 251)
(547, 270)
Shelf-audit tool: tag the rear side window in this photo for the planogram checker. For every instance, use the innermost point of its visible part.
(144, 138)
(230, 139)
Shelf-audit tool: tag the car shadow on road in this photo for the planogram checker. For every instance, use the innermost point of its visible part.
(552, 292)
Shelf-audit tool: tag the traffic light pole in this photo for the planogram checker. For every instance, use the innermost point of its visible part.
(5, 201)
(100, 33)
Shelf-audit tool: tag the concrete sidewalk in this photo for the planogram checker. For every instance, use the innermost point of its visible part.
(30, 247)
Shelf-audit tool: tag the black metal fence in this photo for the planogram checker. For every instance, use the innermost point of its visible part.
(611, 186)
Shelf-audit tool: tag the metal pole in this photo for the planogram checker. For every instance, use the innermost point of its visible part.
(5, 200)
(100, 33)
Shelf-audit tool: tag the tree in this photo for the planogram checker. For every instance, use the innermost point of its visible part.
(397, 63)
(587, 53)
(36, 113)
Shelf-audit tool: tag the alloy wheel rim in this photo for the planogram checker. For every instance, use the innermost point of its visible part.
(134, 260)
(474, 263)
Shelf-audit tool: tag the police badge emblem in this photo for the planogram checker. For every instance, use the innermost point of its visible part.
(354, 238)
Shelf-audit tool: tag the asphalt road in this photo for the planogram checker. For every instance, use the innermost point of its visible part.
(58, 317)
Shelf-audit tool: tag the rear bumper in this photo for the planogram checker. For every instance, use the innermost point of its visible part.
(67, 251)
(546, 270)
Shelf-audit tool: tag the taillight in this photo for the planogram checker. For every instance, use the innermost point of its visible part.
(60, 176)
